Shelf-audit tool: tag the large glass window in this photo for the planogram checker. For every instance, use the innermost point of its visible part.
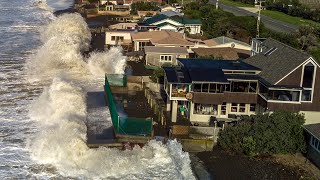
(206, 109)
(239, 86)
(205, 87)
(238, 108)
(283, 95)
(197, 87)
(211, 88)
(306, 95)
(308, 76)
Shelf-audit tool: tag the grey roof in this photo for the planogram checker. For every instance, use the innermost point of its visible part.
(171, 13)
(217, 64)
(313, 129)
(173, 76)
(171, 50)
(224, 40)
(277, 60)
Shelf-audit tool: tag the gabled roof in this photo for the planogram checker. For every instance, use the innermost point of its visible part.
(277, 60)
(162, 37)
(223, 40)
(181, 20)
(171, 50)
(173, 41)
(156, 18)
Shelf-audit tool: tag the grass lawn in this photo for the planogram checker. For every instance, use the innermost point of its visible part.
(289, 19)
(235, 3)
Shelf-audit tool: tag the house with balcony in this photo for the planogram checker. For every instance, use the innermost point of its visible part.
(279, 77)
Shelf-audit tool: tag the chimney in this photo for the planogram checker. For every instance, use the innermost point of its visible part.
(184, 35)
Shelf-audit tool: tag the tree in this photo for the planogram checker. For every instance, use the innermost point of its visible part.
(143, 6)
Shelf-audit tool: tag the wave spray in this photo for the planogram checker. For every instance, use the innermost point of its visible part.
(60, 112)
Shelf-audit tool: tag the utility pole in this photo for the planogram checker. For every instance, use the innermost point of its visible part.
(217, 4)
(259, 18)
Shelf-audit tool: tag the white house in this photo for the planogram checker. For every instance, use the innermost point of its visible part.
(118, 37)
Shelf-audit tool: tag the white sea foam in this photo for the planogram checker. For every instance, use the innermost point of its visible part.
(60, 112)
(112, 62)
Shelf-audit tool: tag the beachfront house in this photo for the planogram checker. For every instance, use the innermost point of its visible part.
(174, 23)
(159, 56)
(279, 77)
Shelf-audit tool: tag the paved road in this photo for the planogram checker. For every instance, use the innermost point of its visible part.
(267, 21)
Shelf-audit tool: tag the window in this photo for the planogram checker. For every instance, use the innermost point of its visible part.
(241, 86)
(307, 82)
(238, 108)
(212, 88)
(117, 38)
(205, 88)
(167, 58)
(224, 108)
(306, 95)
(315, 143)
(252, 107)
(308, 76)
(283, 95)
(197, 87)
(206, 109)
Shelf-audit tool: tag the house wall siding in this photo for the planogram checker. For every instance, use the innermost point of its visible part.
(154, 59)
(293, 79)
(209, 98)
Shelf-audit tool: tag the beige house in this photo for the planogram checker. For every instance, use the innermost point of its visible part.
(160, 39)
(158, 56)
(118, 37)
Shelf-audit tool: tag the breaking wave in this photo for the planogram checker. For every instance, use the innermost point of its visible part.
(60, 112)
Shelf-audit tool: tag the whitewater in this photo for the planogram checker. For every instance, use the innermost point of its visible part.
(44, 80)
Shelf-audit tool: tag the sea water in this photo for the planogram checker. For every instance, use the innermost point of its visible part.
(43, 83)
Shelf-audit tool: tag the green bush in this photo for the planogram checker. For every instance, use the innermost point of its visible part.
(276, 133)
(248, 145)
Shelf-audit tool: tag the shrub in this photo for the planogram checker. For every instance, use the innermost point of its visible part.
(248, 145)
(279, 132)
